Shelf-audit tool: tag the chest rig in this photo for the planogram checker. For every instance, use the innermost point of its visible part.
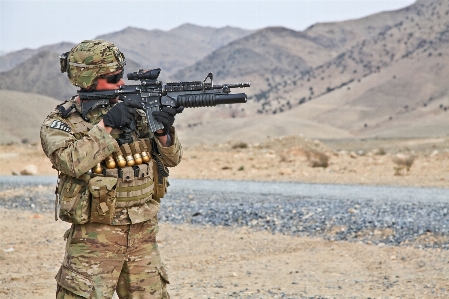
(128, 178)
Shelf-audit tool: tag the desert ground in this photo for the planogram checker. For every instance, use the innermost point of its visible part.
(217, 262)
(289, 158)
(220, 262)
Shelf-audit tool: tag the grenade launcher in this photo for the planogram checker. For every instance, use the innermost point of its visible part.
(153, 94)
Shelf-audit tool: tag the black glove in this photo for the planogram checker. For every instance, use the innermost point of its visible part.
(122, 115)
(167, 116)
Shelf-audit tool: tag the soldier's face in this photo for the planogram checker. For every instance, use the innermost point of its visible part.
(110, 81)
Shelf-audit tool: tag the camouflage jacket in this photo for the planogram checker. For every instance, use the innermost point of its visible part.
(74, 154)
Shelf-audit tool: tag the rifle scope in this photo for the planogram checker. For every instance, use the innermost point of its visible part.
(144, 74)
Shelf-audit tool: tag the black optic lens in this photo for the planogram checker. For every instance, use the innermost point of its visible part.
(113, 79)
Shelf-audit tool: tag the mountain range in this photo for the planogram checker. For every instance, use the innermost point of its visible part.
(370, 77)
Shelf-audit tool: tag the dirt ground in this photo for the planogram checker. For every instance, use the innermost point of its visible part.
(290, 159)
(217, 262)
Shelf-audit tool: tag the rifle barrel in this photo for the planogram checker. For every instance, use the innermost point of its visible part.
(235, 85)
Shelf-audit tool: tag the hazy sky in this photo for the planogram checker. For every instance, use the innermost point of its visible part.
(31, 24)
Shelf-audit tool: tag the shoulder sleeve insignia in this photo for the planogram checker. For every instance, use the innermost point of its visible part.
(56, 124)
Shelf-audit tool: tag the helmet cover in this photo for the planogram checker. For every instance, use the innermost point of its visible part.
(89, 60)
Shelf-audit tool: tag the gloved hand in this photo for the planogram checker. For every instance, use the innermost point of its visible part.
(122, 115)
(167, 116)
(125, 137)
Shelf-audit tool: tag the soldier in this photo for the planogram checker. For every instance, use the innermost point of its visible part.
(111, 245)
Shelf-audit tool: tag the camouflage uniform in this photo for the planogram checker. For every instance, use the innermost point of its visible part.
(120, 253)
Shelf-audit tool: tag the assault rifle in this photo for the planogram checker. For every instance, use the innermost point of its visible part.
(153, 94)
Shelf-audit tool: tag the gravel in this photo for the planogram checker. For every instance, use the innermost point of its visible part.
(378, 215)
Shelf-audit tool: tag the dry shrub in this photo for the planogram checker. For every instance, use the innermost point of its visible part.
(240, 144)
(403, 163)
(317, 158)
(379, 152)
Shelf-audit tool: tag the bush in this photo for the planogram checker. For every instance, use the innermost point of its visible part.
(240, 144)
(317, 158)
(379, 152)
(403, 163)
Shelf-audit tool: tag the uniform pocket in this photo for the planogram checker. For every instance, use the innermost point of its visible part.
(74, 282)
(156, 282)
(74, 200)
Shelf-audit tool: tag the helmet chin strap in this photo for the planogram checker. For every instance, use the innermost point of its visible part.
(92, 87)
(94, 84)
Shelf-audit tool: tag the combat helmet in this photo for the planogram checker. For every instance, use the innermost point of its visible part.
(89, 60)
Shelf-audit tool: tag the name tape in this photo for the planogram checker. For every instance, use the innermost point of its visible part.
(56, 124)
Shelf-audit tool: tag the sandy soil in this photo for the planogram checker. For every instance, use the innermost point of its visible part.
(216, 262)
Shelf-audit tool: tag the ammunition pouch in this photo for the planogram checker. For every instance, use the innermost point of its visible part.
(135, 187)
(103, 199)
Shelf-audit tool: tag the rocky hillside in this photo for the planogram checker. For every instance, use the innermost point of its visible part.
(374, 76)
(397, 75)
(271, 53)
(41, 74)
(391, 71)
(11, 60)
(174, 49)
(37, 71)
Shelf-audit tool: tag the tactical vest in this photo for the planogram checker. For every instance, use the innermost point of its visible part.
(94, 198)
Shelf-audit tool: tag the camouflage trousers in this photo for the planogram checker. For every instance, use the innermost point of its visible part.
(101, 258)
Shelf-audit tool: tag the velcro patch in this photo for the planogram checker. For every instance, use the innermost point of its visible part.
(56, 124)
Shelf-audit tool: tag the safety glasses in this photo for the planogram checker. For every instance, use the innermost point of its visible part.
(113, 79)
